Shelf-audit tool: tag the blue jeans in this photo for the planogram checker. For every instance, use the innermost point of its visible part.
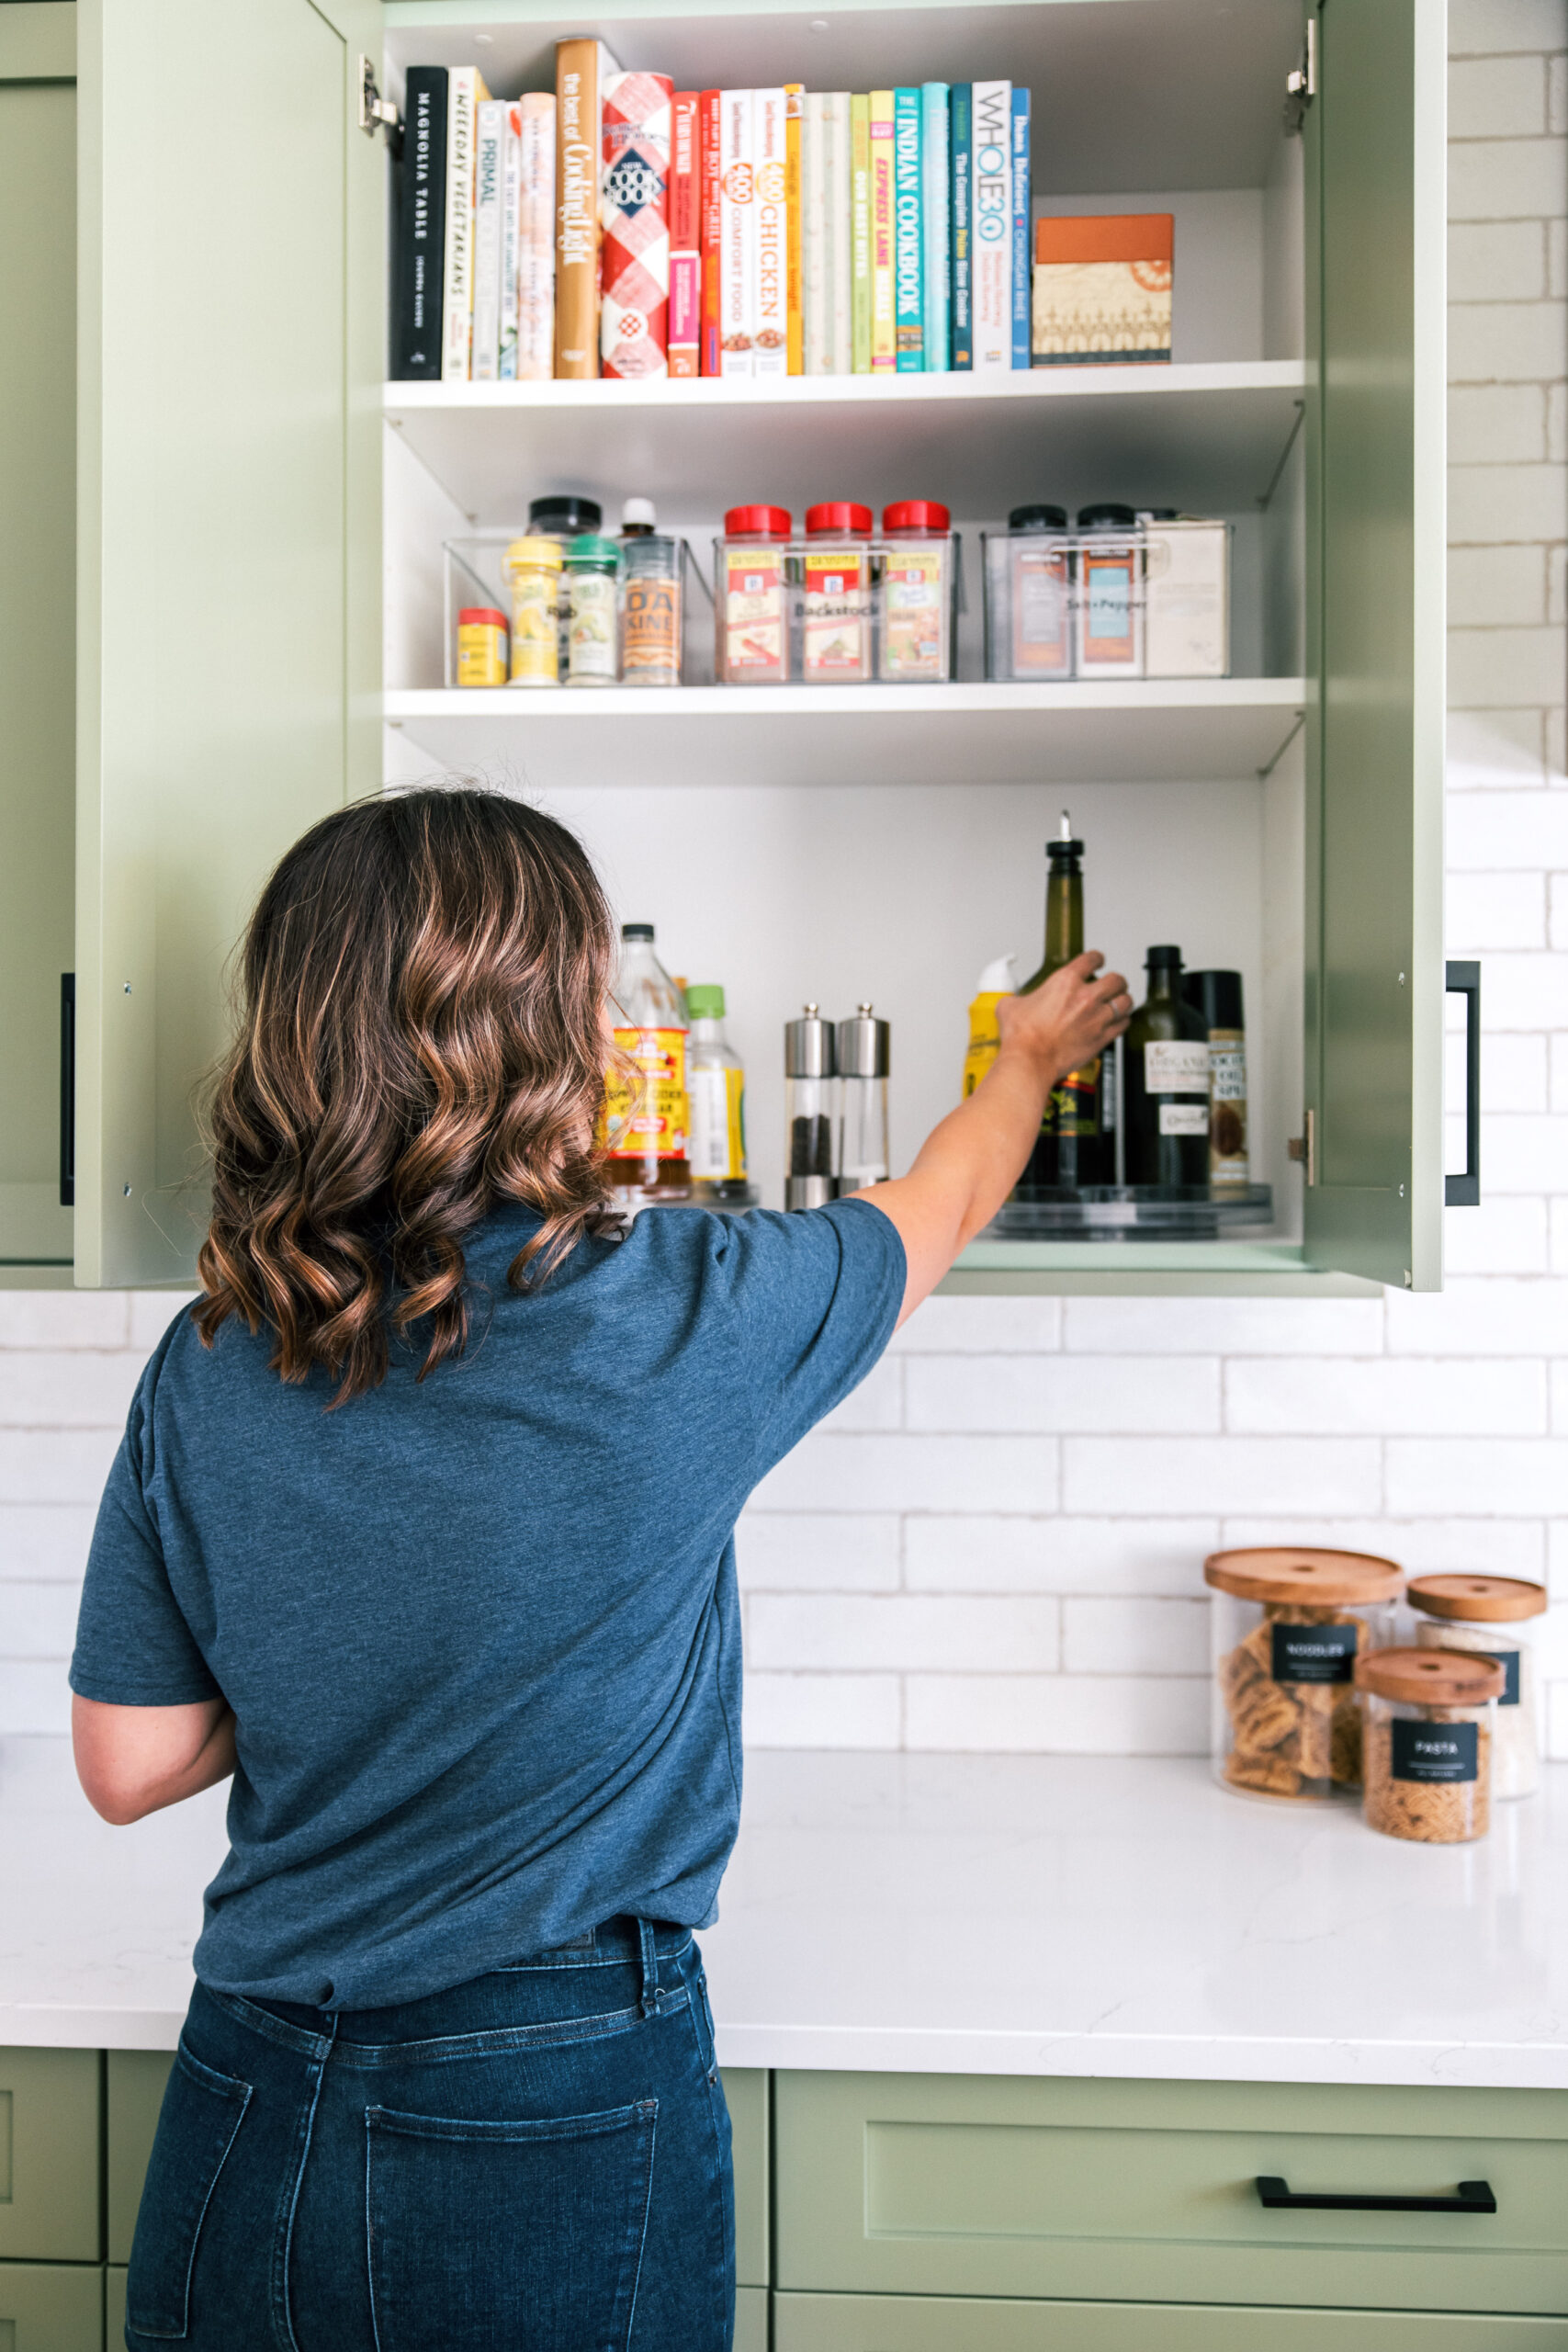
(537, 2159)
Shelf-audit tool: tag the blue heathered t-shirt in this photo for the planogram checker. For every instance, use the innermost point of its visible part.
(481, 1636)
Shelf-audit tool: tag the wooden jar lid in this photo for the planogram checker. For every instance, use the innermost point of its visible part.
(1483, 1601)
(1303, 1575)
(1431, 1677)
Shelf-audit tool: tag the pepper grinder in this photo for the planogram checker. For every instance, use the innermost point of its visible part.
(865, 1054)
(809, 1069)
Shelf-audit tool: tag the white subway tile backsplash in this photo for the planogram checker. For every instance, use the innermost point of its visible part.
(1495, 260)
(1556, 1740)
(55, 1465)
(1150, 1557)
(1496, 831)
(64, 1318)
(877, 1404)
(817, 1552)
(34, 1695)
(1558, 1070)
(904, 1472)
(1505, 666)
(1225, 1474)
(962, 1634)
(1497, 424)
(1480, 1319)
(1502, 1236)
(1497, 587)
(1496, 98)
(1557, 97)
(1484, 27)
(1135, 1636)
(152, 1312)
(1065, 1714)
(1526, 992)
(1492, 502)
(1514, 1073)
(1507, 179)
(982, 1327)
(45, 1539)
(1224, 1325)
(822, 1711)
(1556, 1568)
(37, 1620)
(1492, 749)
(1501, 1547)
(1065, 1392)
(1506, 342)
(1409, 1396)
(66, 1388)
(1516, 1477)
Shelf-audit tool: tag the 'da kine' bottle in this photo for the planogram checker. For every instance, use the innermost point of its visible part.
(1077, 1143)
(1165, 1087)
(647, 1114)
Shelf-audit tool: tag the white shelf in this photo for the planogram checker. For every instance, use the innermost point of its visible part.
(1125, 731)
(1205, 435)
(1148, 1270)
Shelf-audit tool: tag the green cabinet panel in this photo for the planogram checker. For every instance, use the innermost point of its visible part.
(1376, 207)
(49, 2106)
(114, 2307)
(750, 2319)
(1104, 2190)
(943, 2324)
(746, 2094)
(133, 2093)
(230, 354)
(52, 2307)
(38, 616)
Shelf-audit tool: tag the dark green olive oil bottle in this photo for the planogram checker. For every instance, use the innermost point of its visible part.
(1077, 1143)
(1165, 1087)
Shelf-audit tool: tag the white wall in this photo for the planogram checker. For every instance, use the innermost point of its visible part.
(998, 1542)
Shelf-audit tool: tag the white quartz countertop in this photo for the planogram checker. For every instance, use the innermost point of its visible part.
(948, 1914)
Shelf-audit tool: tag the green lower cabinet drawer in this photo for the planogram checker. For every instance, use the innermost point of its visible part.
(51, 2307)
(745, 2095)
(134, 2094)
(49, 2157)
(1123, 2192)
(750, 2319)
(947, 2324)
(114, 2307)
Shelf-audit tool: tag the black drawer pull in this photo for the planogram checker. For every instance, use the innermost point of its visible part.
(1473, 2197)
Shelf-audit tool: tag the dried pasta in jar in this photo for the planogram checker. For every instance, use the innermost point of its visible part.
(1287, 1626)
(1430, 1717)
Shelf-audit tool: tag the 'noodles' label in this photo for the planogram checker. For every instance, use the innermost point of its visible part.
(1434, 1752)
(1313, 1653)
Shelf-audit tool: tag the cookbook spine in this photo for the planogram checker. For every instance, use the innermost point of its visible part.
(580, 65)
(709, 150)
(490, 134)
(815, 330)
(909, 315)
(884, 315)
(769, 332)
(421, 228)
(836, 174)
(464, 90)
(634, 224)
(685, 234)
(738, 213)
(1022, 236)
(511, 238)
(960, 229)
(536, 240)
(860, 234)
(794, 281)
(935, 258)
(991, 226)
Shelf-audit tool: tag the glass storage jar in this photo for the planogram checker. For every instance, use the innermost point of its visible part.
(592, 563)
(751, 608)
(1027, 579)
(1107, 605)
(1428, 1737)
(1488, 1616)
(919, 593)
(1287, 1627)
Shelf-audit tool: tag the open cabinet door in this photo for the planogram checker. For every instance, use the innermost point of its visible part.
(1376, 205)
(230, 337)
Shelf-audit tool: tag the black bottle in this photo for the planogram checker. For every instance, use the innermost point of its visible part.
(1166, 1088)
(1077, 1143)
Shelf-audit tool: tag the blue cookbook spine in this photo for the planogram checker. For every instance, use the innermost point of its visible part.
(933, 206)
(1022, 235)
(958, 230)
(909, 334)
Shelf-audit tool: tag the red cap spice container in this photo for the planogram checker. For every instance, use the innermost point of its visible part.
(919, 600)
(838, 515)
(482, 640)
(750, 610)
(1287, 1627)
(837, 610)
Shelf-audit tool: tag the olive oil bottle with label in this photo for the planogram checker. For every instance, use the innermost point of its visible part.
(1077, 1143)
(1166, 1090)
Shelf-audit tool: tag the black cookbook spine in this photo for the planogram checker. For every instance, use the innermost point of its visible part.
(421, 227)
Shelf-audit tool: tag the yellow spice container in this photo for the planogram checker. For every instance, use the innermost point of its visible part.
(533, 566)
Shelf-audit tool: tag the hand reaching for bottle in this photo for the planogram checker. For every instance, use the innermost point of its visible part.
(1070, 1018)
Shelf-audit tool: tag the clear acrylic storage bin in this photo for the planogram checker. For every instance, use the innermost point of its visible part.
(1149, 602)
(821, 613)
(664, 630)
(1287, 1629)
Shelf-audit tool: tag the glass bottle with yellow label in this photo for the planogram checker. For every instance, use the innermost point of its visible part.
(647, 1109)
(717, 1083)
(1077, 1143)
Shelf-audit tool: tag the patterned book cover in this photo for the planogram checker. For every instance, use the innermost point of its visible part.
(794, 194)
(536, 240)
(991, 214)
(686, 235)
(737, 227)
(860, 234)
(488, 156)
(511, 236)
(769, 327)
(958, 226)
(836, 176)
(711, 222)
(634, 224)
(884, 345)
(465, 93)
(936, 273)
(909, 328)
(1022, 354)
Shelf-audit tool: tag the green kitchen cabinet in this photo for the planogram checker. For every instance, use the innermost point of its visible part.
(51, 2107)
(133, 2093)
(747, 2091)
(228, 599)
(963, 2185)
(114, 2307)
(946, 2323)
(52, 2307)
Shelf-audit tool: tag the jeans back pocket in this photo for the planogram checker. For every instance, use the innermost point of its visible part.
(200, 2115)
(487, 2235)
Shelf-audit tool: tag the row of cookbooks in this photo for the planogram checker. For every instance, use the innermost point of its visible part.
(618, 226)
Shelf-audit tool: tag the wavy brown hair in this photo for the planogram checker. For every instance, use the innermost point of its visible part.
(420, 1039)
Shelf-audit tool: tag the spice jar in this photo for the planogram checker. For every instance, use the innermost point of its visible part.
(1287, 1627)
(810, 1066)
(918, 593)
(836, 608)
(533, 567)
(650, 608)
(592, 564)
(482, 646)
(865, 1059)
(1028, 591)
(1487, 1615)
(562, 517)
(750, 610)
(1108, 637)
(1427, 1740)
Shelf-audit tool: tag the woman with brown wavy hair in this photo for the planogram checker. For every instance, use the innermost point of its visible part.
(423, 1529)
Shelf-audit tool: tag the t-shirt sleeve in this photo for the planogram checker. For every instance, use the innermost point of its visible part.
(133, 1646)
(816, 1298)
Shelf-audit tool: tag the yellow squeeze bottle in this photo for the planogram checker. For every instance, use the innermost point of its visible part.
(999, 980)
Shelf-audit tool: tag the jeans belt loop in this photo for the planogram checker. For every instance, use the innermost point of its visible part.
(652, 1998)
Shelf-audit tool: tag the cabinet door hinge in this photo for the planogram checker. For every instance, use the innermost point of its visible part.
(377, 113)
(1301, 85)
(1303, 1147)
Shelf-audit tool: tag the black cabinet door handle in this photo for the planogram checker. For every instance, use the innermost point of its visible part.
(1464, 1192)
(1472, 2197)
(67, 1090)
